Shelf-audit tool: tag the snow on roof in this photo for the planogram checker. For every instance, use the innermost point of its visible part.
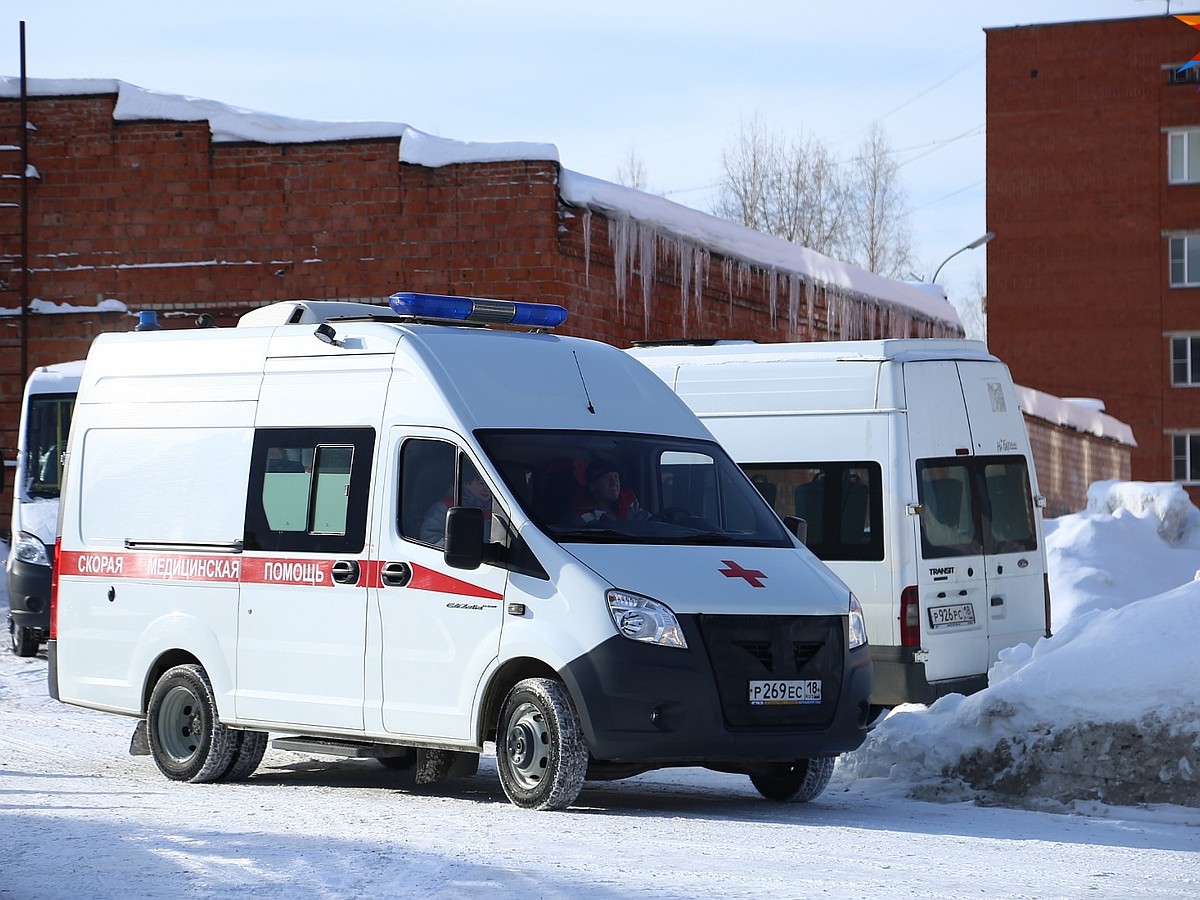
(1080, 414)
(233, 124)
(768, 251)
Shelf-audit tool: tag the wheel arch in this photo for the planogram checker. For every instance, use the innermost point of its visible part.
(165, 661)
(502, 681)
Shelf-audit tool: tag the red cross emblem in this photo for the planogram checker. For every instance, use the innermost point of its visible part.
(753, 577)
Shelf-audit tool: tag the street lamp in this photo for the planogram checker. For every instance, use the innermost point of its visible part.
(978, 242)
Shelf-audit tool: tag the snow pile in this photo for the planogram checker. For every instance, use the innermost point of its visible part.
(1106, 710)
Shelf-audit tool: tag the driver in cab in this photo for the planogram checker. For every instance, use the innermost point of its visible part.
(605, 498)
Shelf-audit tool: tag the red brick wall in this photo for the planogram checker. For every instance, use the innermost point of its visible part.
(156, 216)
(1078, 294)
(1067, 461)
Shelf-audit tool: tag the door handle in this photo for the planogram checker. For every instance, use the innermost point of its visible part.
(396, 574)
(345, 571)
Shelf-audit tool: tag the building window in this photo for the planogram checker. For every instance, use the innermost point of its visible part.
(1185, 261)
(1183, 156)
(1185, 457)
(1185, 359)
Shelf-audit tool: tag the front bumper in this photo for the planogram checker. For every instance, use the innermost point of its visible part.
(654, 705)
(29, 595)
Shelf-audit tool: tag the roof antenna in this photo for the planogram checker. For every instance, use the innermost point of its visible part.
(583, 381)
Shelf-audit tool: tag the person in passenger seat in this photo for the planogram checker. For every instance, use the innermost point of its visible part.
(475, 492)
(605, 498)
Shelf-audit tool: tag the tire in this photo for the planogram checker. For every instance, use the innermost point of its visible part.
(541, 755)
(24, 641)
(251, 745)
(187, 740)
(798, 782)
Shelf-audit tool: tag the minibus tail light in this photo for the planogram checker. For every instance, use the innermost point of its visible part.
(910, 617)
(54, 589)
(1046, 591)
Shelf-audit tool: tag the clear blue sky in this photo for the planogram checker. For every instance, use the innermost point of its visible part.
(667, 81)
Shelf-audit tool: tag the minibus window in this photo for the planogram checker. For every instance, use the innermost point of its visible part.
(308, 489)
(841, 502)
(1009, 523)
(973, 505)
(949, 510)
(331, 490)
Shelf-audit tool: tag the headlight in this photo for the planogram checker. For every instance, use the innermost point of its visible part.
(642, 619)
(30, 549)
(858, 625)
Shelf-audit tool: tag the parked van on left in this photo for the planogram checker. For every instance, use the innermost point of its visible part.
(46, 409)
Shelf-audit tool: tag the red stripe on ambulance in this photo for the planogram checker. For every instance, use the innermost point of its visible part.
(424, 579)
(309, 572)
(192, 567)
(152, 566)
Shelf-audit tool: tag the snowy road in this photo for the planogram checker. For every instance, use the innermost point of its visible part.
(81, 818)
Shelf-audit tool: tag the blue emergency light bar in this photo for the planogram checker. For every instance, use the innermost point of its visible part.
(479, 310)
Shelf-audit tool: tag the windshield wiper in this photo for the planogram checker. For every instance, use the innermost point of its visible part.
(592, 534)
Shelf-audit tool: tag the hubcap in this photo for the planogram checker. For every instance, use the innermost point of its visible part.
(527, 746)
(181, 724)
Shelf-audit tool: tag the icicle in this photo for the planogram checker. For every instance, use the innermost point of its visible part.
(793, 285)
(587, 248)
(772, 288)
(810, 306)
(618, 240)
(647, 239)
(700, 263)
(686, 251)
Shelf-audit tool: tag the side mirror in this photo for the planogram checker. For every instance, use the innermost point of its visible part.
(464, 537)
(798, 527)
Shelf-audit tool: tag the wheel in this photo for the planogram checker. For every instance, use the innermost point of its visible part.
(187, 740)
(401, 763)
(251, 745)
(24, 641)
(798, 782)
(540, 751)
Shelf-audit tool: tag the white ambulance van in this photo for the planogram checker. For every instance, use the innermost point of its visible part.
(910, 463)
(389, 532)
(37, 477)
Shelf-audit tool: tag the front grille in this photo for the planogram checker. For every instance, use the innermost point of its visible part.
(801, 653)
(787, 648)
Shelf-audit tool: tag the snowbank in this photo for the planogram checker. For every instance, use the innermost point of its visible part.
(1106, 710)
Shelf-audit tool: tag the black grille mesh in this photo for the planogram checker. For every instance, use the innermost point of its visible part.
(790, 648)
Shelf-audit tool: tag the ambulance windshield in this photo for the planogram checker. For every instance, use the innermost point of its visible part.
(605, 487)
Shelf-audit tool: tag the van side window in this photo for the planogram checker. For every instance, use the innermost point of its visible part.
(842, 502)
(308, 489)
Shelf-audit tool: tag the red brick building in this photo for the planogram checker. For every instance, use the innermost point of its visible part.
(135, 200)
(1093, 190)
